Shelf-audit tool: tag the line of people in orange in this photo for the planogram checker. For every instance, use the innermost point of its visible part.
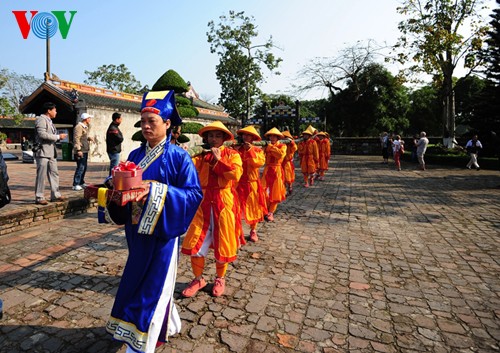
(234, 190)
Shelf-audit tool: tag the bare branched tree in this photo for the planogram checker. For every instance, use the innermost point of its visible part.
(16, 86)
(334, 72)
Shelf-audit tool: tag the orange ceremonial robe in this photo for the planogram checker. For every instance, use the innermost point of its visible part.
(273, 179)
(250, 191)
(309, 156)
(288, 165)
(217, 180)
(324, 154)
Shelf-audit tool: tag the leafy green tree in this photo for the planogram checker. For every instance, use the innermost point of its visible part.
(468, 91)
(240, 61)
(117, 78)
(376, 102)
(436, 35)
(487, 118)
(425, 111)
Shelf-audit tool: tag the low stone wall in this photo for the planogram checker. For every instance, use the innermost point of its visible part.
(35, 215)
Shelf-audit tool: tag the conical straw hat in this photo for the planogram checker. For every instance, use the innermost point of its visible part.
(217, 125)
(287, 133)
(251, 131)
(274, 131)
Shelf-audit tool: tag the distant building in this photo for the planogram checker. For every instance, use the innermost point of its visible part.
(72, 99)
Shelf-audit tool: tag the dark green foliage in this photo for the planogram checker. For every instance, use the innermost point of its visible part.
(240, 61)
(180, 100)
(377, 102)
(187, 112)
(118, 78)
(486, 122)
(170, 80)
(468, 91)
(425, 111)
(191, 128)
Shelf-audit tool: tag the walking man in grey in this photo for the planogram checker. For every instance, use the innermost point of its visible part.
(46, 155)
(422, 143)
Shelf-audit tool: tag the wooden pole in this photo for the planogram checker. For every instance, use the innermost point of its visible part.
(197, 150)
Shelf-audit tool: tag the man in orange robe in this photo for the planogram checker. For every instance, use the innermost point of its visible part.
(215, 224)
(273, 180)
(250, 192)
(324, 154)
(288, 166)
(309, 157)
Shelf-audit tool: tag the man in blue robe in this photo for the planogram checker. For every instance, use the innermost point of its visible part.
(144, 314)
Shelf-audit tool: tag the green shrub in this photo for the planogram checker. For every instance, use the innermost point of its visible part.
(440, 150)
(187, 112)
(3, 136)
(183, 101)
(170, 80)
(191, 128)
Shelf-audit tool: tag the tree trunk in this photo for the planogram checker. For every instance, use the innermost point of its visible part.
(448, 106)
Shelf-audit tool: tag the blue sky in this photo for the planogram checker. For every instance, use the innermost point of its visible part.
(153, 36)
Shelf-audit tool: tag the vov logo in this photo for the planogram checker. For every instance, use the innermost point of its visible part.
(41, 21)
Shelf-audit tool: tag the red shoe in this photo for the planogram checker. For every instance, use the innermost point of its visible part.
(194, 287)
(290, 190)
(270, 217)
(253, 236)
(311, 181)
(306, 185)
(219, 286)
(159, 344)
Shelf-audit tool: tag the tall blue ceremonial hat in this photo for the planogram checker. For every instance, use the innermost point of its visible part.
(163, 104)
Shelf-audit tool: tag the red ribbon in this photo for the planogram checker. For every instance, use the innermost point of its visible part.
(126, 166)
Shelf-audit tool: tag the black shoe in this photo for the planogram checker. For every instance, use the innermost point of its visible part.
(478, 168)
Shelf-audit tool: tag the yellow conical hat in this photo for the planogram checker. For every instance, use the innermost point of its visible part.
(307, 131)
(217, 125)
(321, 134)
(274, 131)
(287, 133)
(251, 131)
(312, 129)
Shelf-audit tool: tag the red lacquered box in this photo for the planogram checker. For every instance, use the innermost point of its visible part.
(127, 179)
(120, 197)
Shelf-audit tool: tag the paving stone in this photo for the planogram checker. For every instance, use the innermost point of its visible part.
(369, 260)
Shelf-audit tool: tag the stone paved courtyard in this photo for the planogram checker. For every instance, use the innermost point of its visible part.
(370, 260)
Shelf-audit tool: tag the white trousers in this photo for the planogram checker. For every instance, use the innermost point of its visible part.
(473, 161)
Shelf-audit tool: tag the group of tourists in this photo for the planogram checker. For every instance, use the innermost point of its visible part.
(395, 146)
(204, 196)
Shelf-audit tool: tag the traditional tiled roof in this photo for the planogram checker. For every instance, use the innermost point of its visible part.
(70, 93)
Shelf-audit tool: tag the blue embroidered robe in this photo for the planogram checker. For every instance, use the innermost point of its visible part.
(177, 197)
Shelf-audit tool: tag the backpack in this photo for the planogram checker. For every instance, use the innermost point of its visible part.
(4, 188)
